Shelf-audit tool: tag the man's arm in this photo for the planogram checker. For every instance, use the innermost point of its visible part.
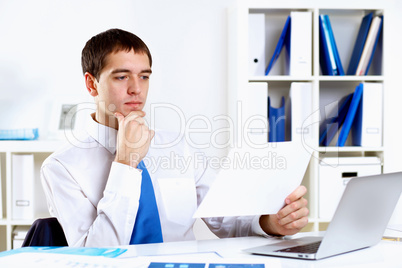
(85, 221)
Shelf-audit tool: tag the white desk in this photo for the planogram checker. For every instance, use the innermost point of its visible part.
(384, 254)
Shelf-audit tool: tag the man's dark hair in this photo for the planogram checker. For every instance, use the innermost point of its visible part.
(101, 45)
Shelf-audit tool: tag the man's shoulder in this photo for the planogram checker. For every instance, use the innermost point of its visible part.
(72, 147)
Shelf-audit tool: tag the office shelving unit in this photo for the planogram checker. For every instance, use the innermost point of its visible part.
(40, 150)
(345, 21)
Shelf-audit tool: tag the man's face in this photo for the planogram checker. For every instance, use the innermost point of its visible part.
(123, 84)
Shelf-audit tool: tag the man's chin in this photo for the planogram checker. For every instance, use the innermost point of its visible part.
(127, 112)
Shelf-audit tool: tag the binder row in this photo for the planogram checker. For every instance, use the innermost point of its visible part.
(291, 120)
(297, 31)
(295, 41)
(363, 51)
(358, 115)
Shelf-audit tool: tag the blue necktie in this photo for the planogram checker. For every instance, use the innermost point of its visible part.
(147, 227)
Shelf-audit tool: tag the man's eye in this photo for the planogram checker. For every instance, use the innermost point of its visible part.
(121, 77)
(145, 77)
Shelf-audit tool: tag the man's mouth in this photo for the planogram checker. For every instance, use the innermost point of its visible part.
(134, 104)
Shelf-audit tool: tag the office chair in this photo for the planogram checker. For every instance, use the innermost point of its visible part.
(45, 232)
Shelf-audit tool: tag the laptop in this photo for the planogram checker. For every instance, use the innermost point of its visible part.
(359, 221)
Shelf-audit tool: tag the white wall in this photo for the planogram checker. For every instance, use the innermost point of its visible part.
(41, 43)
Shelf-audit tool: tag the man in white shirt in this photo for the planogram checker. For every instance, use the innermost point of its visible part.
(93, 186)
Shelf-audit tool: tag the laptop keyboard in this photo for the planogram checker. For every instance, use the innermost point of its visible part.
(308, 248)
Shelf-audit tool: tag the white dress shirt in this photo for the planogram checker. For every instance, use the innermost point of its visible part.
(96, 199)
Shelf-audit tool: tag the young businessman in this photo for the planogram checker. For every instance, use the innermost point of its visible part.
(97, 188)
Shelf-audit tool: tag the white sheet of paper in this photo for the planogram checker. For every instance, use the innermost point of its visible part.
(179, 196)
(257, 182)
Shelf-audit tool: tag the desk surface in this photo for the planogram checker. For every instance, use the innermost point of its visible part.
(229, 250)
(384, 254)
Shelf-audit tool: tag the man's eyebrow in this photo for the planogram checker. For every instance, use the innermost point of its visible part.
(146, 71)
(120, 71)
(128, 71)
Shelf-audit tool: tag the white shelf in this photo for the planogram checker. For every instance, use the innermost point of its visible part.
(20, 222)
(345, 21)
(352, 78)
(350, 149)
(279, 78)
(30, 146)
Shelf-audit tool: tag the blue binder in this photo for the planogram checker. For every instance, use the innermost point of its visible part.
(357, 126)
(354, 104)
(339, 68)
(359, 44)
(330, 61)
(325, 59)
(284, 40)
(375, 44)
(334, 122)
(276, 120)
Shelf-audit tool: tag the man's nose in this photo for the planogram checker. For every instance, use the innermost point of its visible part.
(134, 87)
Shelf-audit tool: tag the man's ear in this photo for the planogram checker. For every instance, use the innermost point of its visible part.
(90, 82)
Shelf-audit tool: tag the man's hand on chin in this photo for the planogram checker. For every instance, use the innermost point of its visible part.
(133, 138)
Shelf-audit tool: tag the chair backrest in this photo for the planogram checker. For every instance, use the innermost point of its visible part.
(45, 232)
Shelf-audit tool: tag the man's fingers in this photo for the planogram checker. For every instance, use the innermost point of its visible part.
(298, 224)
(294, 206)
(119, 116)
(137, 116)
(131, 116)
(296, 194)
(294, 216)
(138, 113)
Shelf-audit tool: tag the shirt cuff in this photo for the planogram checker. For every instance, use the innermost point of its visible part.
(256, 228)
(124, 179)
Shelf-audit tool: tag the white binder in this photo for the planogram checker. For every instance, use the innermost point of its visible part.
(256, 44)
(371, 125)
(301, 98)
(255, 114)
(300, 43)
(22, 186)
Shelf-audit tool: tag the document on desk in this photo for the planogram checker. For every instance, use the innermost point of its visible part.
(206, 260)
(40, 260)
(257, 181)
(63, 257)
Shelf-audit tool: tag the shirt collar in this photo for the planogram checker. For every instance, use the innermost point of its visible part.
(104, 135)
